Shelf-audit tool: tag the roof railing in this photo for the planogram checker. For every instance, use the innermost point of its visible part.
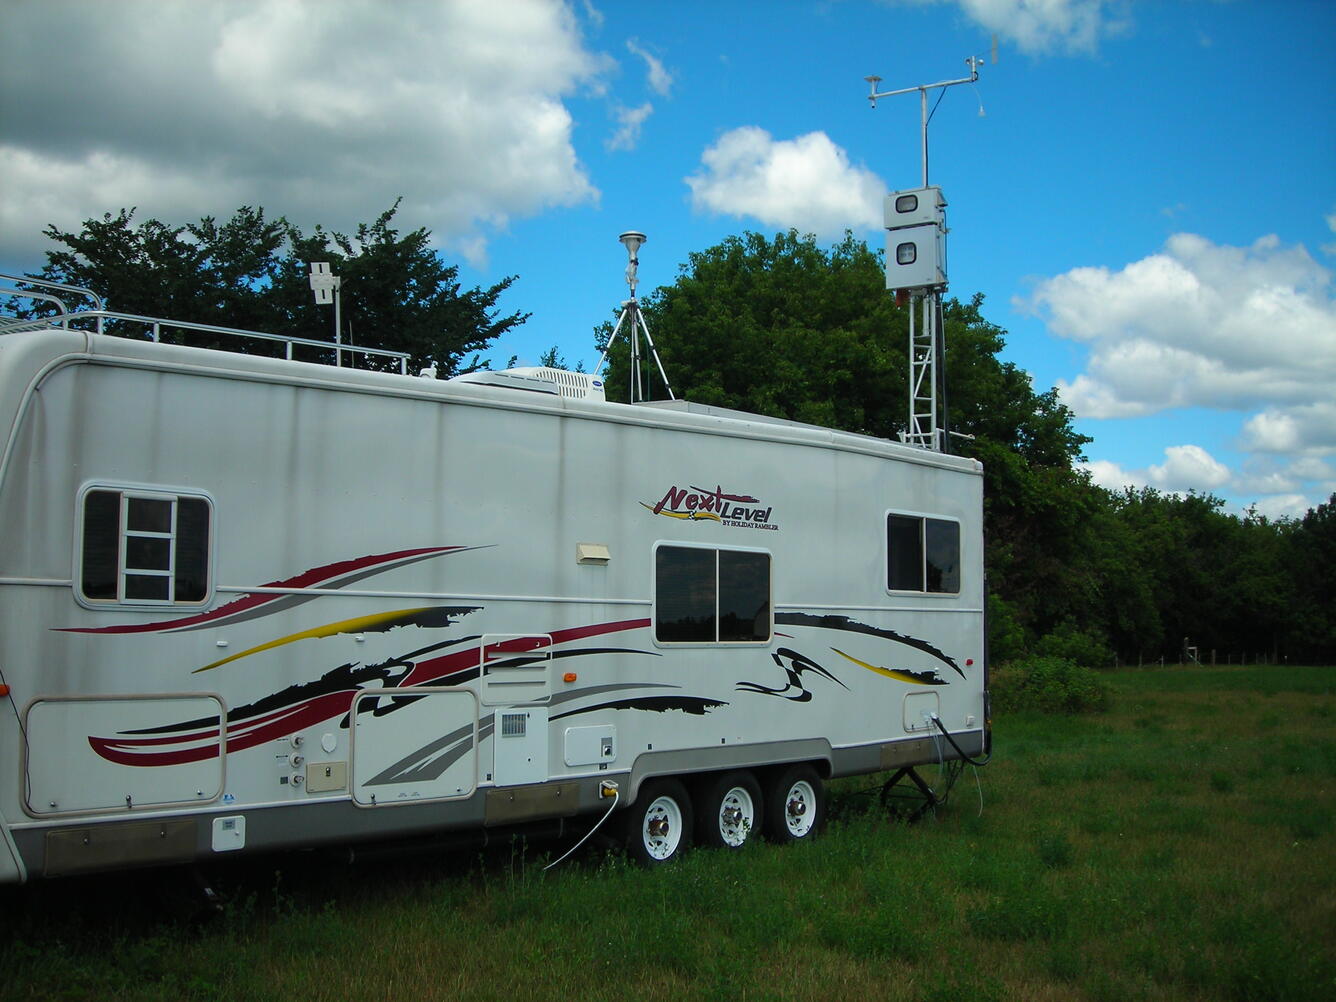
(156, 325)
(44, 283)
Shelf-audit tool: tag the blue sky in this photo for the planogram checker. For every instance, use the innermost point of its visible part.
(1148, 202)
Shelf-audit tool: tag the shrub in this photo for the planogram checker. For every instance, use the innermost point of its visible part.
(1086, 647)
(1006, 635)
(1047, 684)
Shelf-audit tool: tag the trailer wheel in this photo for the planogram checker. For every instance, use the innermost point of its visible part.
(658, 824)
(728, 811)
(795, 805)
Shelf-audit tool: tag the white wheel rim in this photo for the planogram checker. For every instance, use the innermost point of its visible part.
(737, 816)
(661, 828)
(800, 808)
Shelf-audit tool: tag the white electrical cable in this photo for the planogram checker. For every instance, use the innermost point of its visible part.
(616, 796)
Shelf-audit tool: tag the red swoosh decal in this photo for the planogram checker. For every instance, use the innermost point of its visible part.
(328, 575)
(282, 722)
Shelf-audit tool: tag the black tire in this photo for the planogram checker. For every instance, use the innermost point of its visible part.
(728, 810)
(795, 804)
(657, 827)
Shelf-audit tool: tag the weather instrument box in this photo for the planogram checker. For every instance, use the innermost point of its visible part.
(916, 257)
(915, 207)
(915, 239)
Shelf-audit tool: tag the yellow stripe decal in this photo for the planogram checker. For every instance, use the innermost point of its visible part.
(899, 676)
(356, 625)
(693, 515)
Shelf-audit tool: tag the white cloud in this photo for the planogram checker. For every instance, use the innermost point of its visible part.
(1044, 25)
(324, 112)
(806, 183)
(1197, 325)
(1281, 506)
(1272, 483)
(660, 80)
(1331, 225)
(1306, 429)
(1310, 468)
(1276, 487)
(629, 123)
(1276, 475)
(593, 14)
(1187, 468)
(1111, 476)
(1250, 330)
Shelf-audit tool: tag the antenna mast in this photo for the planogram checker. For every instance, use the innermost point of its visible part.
(973, 62)
(916, 266)
(633, 241)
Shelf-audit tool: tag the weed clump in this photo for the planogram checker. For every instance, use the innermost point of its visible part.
(1049, 685)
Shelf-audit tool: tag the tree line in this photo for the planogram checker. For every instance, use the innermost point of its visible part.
(253, 273)
(784, 327)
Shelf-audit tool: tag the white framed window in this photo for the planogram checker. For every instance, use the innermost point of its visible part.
(142, 546)
(922, 554)
(710, 595)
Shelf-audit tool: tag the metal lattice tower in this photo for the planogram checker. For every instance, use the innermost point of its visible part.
(916, 264)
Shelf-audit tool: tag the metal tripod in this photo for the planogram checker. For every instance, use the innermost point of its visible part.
(631, 309)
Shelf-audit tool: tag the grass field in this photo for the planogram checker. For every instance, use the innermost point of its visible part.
(1180, 846)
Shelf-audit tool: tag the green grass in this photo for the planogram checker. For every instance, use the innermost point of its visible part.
(1181, 845)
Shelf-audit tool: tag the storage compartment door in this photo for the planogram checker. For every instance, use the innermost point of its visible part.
(414, 745)
(98, 753)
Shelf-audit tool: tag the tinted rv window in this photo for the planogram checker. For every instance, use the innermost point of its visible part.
(922, 554)
(684, 595)
(905, 569)
(744, 596)
(941, 545)
(141, 547)
(708, 596)
(101, 544)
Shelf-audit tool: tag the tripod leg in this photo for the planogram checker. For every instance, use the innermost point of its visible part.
(608, 347)
(655, 352)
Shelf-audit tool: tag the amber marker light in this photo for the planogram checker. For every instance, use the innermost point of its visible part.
(570, 676)
(4, 690)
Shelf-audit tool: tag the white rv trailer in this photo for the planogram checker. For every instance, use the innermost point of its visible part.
(248, 603)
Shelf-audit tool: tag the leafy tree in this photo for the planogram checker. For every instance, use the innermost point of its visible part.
(1309, 562)
(397, 295)
(253, 273)
(779, 327)
(205, 272)
(553, 359)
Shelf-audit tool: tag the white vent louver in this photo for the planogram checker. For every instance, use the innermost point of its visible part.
(578, 385)
(540, 379)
